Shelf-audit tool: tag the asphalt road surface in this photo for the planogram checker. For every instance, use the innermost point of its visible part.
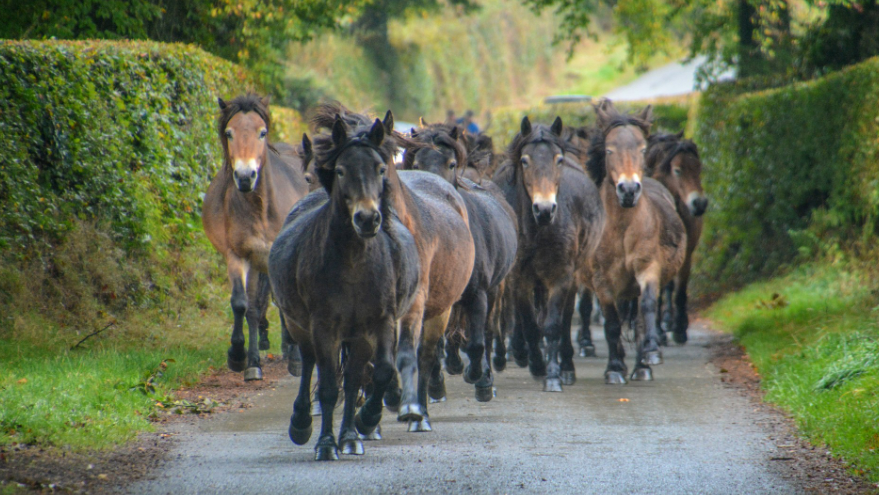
(682, 433)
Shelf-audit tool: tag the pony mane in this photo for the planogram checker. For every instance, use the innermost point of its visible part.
(662, 148)
(433, 137)
(250, 102)
(357, 127)
(540, 133)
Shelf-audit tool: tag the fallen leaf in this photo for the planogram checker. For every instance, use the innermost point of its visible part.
(22, 381)
(624, 400)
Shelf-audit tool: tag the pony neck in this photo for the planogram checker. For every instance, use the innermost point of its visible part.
(401, 199)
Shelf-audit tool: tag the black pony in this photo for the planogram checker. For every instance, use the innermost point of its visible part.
(561, 221)
(344, 271)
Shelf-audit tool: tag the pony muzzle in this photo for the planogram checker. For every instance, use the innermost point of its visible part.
(245, 174)
(544, 208)
(628, 192)
(367, 220)
(697, 204)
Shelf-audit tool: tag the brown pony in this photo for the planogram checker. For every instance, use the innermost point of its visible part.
(644, 244)
(433, 211)
(244, 209)
(675, 163)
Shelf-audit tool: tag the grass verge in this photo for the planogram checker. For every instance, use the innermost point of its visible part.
(160, 321)
(814, 338)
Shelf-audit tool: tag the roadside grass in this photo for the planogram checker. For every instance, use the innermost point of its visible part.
(104, 391)
(813, 336)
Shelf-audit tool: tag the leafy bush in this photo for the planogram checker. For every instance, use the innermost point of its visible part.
(788, 170)
(116, 133)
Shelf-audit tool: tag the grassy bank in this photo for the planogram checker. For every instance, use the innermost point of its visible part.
(814, 337)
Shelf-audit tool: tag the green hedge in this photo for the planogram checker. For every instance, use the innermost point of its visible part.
(670, 116)
(788, 170)
(120, 134)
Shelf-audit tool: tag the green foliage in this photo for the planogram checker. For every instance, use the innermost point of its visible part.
(115, 133)
(817, 356)
(781, 161)
(669, 116)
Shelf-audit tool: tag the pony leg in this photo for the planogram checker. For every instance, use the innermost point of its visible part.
(518, 346)
(506, 319)
(666, 313)
(484, 386)
(477, 313)
(615, 374)
(566, 349)
(584, 336)
(238, 271)
(433, 331)
(358, 356)
(682, 320)
(553, 323)
(454, 365)
(367, 419)
(291, 351)
(407, 362)
(262, 298)
(328, 393)
(648, 343)
(254, 315)
(531, 332)
(436, 388)
(300, 421)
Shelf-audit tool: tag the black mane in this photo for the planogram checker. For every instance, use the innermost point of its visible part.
(250, 102)
(662, 148)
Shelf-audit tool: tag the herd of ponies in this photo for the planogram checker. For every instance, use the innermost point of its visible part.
(383, 270)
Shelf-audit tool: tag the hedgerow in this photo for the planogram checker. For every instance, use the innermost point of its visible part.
(119, 134)
(791, 170)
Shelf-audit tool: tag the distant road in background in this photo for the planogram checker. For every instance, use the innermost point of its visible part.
(671, 80)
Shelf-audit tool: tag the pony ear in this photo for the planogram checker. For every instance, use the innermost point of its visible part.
(454, 133)
(601, 111)
(680, 135)
(557, 126)
(340, 135)
(525, 129)
(389, 122)
(413, 132)
(221, 103)
(307, 151)
(266, 101)
(646, 114)
(377, 133)
(422, 122)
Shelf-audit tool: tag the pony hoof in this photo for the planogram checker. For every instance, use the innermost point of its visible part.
(435, 401)
(468, 374)
(351, 446)
(316, 409)
(485, 394)
(392, 399)
(437, 391)
(375, 435)
(614, 378)
(537, 370)
(587, 351)
(642, 375)
(252, 374)
(326, 453)
(299, 436)
(294, 367)
(680, 337)
(552, 385)
(235, 365)
(499, 362)
(663, 339)
(568, 377)
(362, 426)
(410, 412)
(264, 345)
(420, 426)
(454, 365)
(652, 358)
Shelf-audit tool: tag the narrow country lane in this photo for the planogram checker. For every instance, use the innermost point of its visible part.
(683, 433)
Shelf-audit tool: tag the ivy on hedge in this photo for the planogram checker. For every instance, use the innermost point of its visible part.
(118, 133)
(775, 157)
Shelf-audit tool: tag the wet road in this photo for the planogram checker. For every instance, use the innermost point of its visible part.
(682, 433)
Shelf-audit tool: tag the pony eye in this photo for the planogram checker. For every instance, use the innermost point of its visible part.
(644, 151)
(309, 179)
(262, 134)
(453, 164)
(340, 172)
(524, 162)
(559, 160)
(609, 152)
(228, 133)
(382, 170)
(678, 172)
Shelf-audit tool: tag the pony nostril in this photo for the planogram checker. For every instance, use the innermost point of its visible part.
(637, 187)
(554, 208)
(252, 174)
(620, 187)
